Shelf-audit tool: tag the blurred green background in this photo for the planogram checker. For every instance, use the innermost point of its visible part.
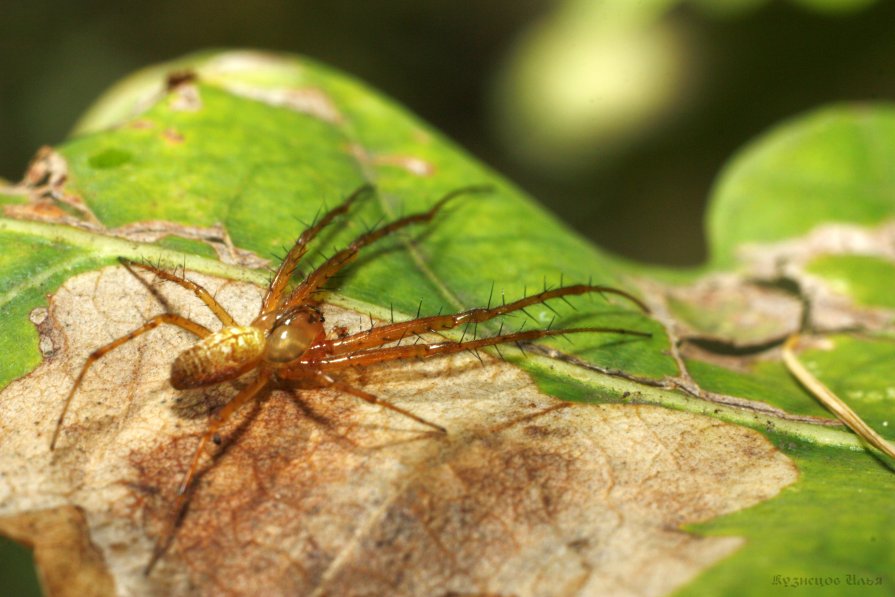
(616, 114)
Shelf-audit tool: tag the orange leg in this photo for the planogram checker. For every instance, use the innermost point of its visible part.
(181, 322)
(394, 332)
(331, 266)
(200, 292)
(221, 417)
(425, 351)
(246, 394)
(328, 381)
(287, 267)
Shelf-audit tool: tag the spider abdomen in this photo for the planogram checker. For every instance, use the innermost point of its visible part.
(221, 356)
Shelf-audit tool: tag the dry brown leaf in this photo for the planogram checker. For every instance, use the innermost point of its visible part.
(68, 562)
(317, 494)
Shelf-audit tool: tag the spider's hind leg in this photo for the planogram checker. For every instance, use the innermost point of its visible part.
(217, 420)
(169, 318)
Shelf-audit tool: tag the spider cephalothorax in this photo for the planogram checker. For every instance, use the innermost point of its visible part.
(288, 343)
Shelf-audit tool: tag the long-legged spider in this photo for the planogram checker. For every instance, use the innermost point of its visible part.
(287, 342)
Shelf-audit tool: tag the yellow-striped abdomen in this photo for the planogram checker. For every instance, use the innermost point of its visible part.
(222, 356)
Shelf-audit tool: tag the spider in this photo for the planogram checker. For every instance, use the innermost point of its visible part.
(287, 343)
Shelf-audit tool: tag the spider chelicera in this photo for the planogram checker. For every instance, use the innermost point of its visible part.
(287, 343)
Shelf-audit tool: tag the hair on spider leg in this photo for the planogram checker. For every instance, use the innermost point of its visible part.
(303, 222)
(474, 352)
(465, 329)
(566, 301)
(532, 317)
(549, 306)
(419, 309)
(317, 213)
(375, 225)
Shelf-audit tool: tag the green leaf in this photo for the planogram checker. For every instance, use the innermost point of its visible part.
(807, 210)
(831, 166)
(831, 532)
(217, 175)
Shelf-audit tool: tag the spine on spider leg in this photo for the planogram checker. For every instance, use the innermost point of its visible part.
(484, 314)
(298, 250)
(436, 323)
(200, 292)
(341, 258)
(424, 351)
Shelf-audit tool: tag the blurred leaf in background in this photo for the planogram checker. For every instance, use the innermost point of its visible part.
(737, 68)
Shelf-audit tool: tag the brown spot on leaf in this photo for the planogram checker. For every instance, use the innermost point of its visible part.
(311, 492)
(215, 236)
(307, 100)
(47, 169)
(180, 77)
(44, 210)
(38, 315)
(730, 311)
(412, 164)
(141, 124)
(173, 136)
(829, 309)
(186, 98)
(44, 185)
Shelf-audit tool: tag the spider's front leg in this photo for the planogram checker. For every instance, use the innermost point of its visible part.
(396, 332)
(334, 264)
(290, 262)
(425, 351)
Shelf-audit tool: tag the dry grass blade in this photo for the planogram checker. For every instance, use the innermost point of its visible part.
(830, 400)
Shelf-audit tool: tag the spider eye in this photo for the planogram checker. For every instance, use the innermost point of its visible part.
(289, 341)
